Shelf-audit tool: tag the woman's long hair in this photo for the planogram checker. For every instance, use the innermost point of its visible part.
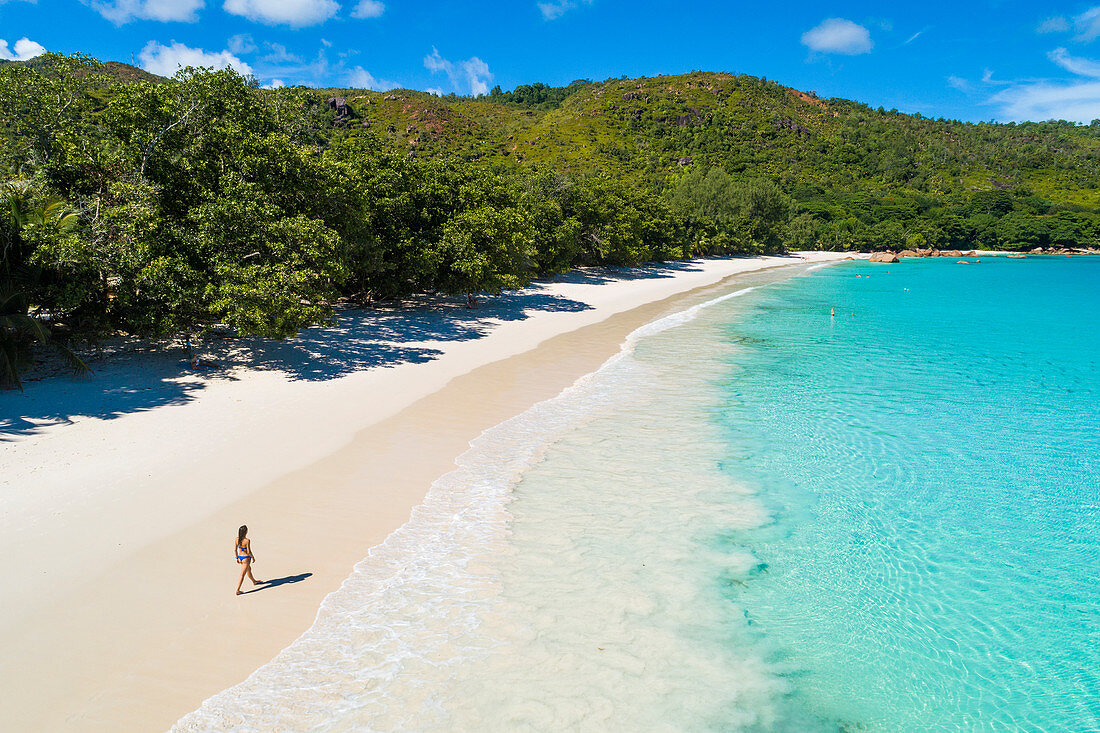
(241, 533)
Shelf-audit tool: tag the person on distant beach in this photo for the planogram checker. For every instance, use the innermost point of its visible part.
(197, 363)
(471, 301)
(194, 360)
(243, 548)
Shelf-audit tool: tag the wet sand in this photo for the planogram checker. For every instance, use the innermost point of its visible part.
(119, 611)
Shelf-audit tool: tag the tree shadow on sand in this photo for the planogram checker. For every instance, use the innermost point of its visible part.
(149, 376)
(604, 275)
(141, 375)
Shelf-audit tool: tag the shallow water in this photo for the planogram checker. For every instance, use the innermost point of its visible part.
(757, 517)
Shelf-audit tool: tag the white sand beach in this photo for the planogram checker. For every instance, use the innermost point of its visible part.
(120, 494)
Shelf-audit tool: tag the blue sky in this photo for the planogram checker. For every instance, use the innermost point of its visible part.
(969, 60)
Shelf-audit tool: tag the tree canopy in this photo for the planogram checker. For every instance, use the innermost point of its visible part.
(132, 203)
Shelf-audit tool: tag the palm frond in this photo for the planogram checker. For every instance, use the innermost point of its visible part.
(24, 325)
(74, 362)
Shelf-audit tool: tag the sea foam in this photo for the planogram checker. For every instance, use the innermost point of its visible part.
(422, 634)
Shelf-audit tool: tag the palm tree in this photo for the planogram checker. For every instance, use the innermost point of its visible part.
(18, 328)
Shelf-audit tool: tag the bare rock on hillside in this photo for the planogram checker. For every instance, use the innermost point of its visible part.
(888, 257)
(344, 112)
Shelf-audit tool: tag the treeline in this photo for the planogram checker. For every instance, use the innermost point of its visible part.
(867, 179)
(858, 178)
(536, 96)
(996, 219)
(166, 208)
(130, 203)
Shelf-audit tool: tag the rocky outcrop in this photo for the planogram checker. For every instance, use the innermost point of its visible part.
(888, 257)
(792, 126)
(907, 253)
(344, 112)
(952, 253)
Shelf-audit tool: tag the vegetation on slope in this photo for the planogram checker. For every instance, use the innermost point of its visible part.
(134, 203)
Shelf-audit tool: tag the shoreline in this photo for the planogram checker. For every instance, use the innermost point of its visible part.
(132, 651)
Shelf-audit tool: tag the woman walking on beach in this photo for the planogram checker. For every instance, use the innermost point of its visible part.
(243, 548)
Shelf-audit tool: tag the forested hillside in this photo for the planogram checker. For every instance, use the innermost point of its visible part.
(129, 202)
(859, 178)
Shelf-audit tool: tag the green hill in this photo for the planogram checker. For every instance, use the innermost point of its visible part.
(149, 205)
(647, 128)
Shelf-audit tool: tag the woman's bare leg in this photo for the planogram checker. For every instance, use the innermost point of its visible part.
(244, 569)
(248, 565)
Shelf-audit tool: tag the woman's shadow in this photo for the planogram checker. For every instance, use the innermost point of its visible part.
(274, 583)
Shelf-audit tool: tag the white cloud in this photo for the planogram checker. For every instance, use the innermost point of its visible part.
(24, 50)
(435, 62)
(368, 9)
(471, 75)
(123, 11)
(1075, 100)
(275, 84)
(1087, 25)
(295, 13)
(241, 43)
(294, 69)
(360, 78)
(434, 90)
(1075, 65)
(557, 8)
(1078, 102)
(959, 83)
(1057, 24)
(167, 60)
(838, 35)
(478, 74)
(279, 54)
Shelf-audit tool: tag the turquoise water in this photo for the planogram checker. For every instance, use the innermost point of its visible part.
(757, 517)
(933, 465)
